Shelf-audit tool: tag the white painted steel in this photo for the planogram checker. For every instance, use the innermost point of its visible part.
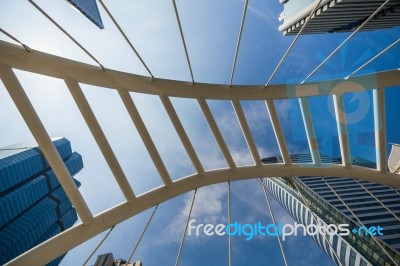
(217, 133)
(100, 139)
(246, 132)
(41, 136)
(182, 134)
(38, 62)
(126, 38)
(14, 56)
(341, 123)
(280, 138)
(310, 132)
(145, 136)
(380, 130)
(80, 233)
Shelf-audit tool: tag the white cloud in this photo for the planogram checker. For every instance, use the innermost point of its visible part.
(209, 207)
(263, 12)
(210, 203)
(242, 157)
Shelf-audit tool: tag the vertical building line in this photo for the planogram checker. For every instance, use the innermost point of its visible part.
(263, 184)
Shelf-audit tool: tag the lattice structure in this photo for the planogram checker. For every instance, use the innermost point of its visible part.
(75, 73)
(12, 56)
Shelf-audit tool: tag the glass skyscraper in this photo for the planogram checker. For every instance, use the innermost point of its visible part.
(107, 259)
(337, 16)
(89, 9)
(333, 200)
(33, 205)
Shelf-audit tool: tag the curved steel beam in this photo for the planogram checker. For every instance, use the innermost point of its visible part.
(80, 233)
(38, 62)
(14, 56)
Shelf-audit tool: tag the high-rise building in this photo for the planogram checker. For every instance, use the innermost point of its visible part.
(33, 205)
(332, 200)
(107, 259)
(89, 9)
(337, 15)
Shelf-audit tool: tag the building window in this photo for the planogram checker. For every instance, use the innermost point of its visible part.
(352, 260)
(343, 252)
(303, 214)
(335, 242)
(363, 262)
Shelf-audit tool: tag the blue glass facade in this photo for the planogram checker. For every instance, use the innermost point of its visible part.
(293, 7)
(336, 16)
(89, 9)
(33, 205)
(302, 215)
(329, 209)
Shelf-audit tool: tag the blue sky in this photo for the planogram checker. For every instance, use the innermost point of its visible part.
(211, 29)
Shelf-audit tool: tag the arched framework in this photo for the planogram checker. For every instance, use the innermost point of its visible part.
(76, 73)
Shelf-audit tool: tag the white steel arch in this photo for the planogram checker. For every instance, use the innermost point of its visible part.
(74, 73)
(53, 66)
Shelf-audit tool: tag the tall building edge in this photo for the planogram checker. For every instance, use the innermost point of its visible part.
(337, 16)
(307, 197)
(33, 205)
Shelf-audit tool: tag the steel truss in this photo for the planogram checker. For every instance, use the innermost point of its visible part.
(76, 73)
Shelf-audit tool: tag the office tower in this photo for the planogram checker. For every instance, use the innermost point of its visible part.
(337, 15)
(333, 200)
(33, 205)
(107, 259)
(89, 9)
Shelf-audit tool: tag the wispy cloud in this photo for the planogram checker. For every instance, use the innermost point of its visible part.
(208, 208)
(262, 11)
